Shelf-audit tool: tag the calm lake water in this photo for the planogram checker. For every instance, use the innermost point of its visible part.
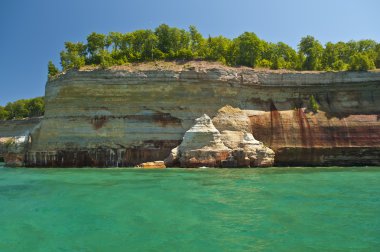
(274, 209)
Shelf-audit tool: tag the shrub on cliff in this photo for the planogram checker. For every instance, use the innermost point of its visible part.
(52, 70)
(361, 62)
(313, 105)
(74, 56)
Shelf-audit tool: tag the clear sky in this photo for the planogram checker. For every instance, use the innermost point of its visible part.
(33, 32)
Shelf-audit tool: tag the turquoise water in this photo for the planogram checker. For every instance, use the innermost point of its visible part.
(274, 209)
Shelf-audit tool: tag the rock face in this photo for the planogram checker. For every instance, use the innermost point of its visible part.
(301, 138)
(16, 148)
(234, 125)
(14, 139)
(127, 116)
(201, 146)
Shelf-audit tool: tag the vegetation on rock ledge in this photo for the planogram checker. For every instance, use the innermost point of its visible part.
(313, 105)
(170, 43)
(23, 108)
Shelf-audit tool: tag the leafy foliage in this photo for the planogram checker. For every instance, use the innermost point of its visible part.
(171, 43)
(248, 48)
(52, 70)
(313, 105)
(361, 62)
(23, 108)
(312, 49)
(74, 56)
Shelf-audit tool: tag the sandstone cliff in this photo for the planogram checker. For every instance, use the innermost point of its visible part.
(127, 116)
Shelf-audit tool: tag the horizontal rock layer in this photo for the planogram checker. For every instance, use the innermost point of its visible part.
(127, 117)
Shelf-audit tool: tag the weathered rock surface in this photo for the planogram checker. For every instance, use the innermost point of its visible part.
(14, 139)
(16, 148)
(202, 145)
(300, 138)
(234, 125)
(124, 117)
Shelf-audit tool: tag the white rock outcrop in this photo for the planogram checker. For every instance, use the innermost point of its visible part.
(204, 145)
(201, 146)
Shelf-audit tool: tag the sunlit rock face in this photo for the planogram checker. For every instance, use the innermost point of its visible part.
(128, 116)
(234, 125)
(203, 145)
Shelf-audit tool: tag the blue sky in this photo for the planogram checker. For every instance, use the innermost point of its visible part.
(33, 32)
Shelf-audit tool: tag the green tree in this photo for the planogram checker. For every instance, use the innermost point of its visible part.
(143, 45)
(17, 109)
(367, 46)
(119, 52)
(313, 105)
(163, 34)
(167, 42)
(52, 70)
(35, 106)
(96, 43)
(197, 42)
(247, 49)
(334, 57)
(115, 40)
(377, 60)
(283, 57)
(23, 108)
(361, 62)
(217, 49)
(329, 56)
(172, 40)
(266, 55)
(74, 56)
(4, 114)
(312, 49)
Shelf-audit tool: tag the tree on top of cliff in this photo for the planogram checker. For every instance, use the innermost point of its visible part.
(280, 56)
(312, 50)
(361, 62)
(171, 43)
(74, 55)
(247, 49)
(23, 108)
(52, 70)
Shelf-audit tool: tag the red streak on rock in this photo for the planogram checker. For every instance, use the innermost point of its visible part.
(300, 138)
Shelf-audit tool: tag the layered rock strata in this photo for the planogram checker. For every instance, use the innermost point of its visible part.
(127, 116)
